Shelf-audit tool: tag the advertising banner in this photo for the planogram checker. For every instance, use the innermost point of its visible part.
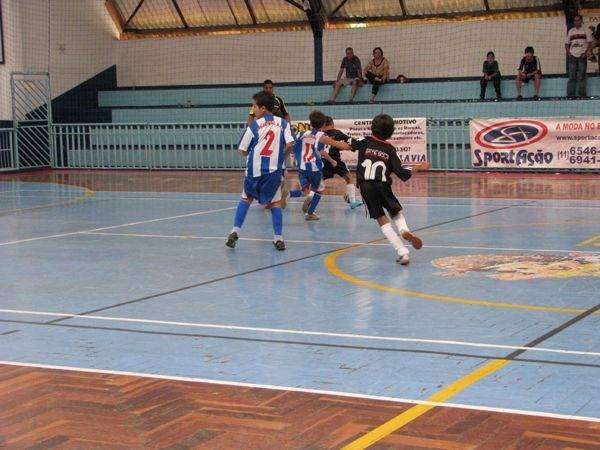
(410, 137)
(556, 143)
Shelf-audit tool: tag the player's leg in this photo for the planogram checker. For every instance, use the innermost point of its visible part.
(350, 193)
(393, 207)
(372, 197)
(241, 211)
(336, 90)
(519, 84)
(270, 196)
(537, 83)
(317, 187)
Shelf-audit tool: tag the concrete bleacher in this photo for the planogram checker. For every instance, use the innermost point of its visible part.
(433, 99)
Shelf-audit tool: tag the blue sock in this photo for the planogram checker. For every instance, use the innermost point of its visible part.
(296, 193)
(277, 218)
(240, 213)
(313, 203)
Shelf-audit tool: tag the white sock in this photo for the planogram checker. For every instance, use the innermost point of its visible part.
(394, 239)
(351, 192)
(277, 237)
(400, 223)
(236, 230)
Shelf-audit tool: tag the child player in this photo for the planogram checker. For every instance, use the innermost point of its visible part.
(339, 168)
(266, 142)
(377, 159)
(309, 152)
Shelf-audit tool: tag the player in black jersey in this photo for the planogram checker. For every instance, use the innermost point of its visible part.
(377, 159)
(340, 169)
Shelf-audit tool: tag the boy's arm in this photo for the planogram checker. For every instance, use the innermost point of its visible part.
(245, 141)
(337, 144)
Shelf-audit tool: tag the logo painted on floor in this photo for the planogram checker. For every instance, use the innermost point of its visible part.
(521, 267)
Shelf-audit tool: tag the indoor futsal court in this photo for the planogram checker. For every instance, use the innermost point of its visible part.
(148, 302)
(135, 314)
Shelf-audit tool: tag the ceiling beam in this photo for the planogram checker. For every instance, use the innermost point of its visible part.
(403, 7)
(237, 22)
(251, 11)
(454, 15)
(246, 28)
(183, 21)
(294, 3)
(115, 15)
(137, 8)
(342, 3)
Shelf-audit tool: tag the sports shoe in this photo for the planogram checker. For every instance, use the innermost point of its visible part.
(519, 97)
(346, 198)
(285, 193)
(232, 240)
(306, 204)
(279, 245)
(416, 242)
(536, 97)
(355, 204)
(403, 260)
(313, 216)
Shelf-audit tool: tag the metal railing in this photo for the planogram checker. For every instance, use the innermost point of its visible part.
(8, 156)
(208, 145)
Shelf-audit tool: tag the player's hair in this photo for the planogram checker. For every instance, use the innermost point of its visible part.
(268, 82)
(328, 121)
(265, 99)
(490, 53)
(382, 126)
(349, 48)
(529, 49)
(317, 119)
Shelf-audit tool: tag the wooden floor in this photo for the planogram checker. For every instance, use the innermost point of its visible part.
(42, 408)
(47, 408)
(433, 184)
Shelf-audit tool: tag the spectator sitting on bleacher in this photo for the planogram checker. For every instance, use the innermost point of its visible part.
(491, 72)
(595, 45)
(377, 72)
(279, 109)
(350, 64)
(529, 69)
(578, 45)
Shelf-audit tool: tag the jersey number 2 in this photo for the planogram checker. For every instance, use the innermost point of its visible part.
(266, 151)
(371, 169)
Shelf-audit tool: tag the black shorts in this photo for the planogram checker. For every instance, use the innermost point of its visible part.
(329, 171)
(378, 196)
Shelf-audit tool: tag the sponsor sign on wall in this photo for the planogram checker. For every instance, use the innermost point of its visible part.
(409, 138)
(557, 143)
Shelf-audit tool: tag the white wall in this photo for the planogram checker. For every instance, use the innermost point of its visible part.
(25, 28)
(246, 58)
(452, 49)
(72, 40)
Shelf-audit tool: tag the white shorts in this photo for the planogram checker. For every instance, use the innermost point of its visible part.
(347, 81)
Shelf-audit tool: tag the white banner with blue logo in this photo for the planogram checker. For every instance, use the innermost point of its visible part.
(556, 143)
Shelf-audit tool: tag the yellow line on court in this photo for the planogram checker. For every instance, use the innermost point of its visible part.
(331, 265)
(86, 194)
(589, 241)
(413, 413)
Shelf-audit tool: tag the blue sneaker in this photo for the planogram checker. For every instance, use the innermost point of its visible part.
(355, 204)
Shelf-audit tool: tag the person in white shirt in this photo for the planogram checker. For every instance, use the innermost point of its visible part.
(578, 46)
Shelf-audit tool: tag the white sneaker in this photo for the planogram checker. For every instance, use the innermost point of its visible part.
(403, 260)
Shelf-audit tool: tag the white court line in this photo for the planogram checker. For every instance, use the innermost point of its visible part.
(300, 332)
(306, 391)
(117, 226)
(364, 244)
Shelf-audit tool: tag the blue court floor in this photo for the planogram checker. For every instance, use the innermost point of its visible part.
(142, 282)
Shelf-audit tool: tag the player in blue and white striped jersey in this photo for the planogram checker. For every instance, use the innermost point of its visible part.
(266, 142)
(309, 152)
